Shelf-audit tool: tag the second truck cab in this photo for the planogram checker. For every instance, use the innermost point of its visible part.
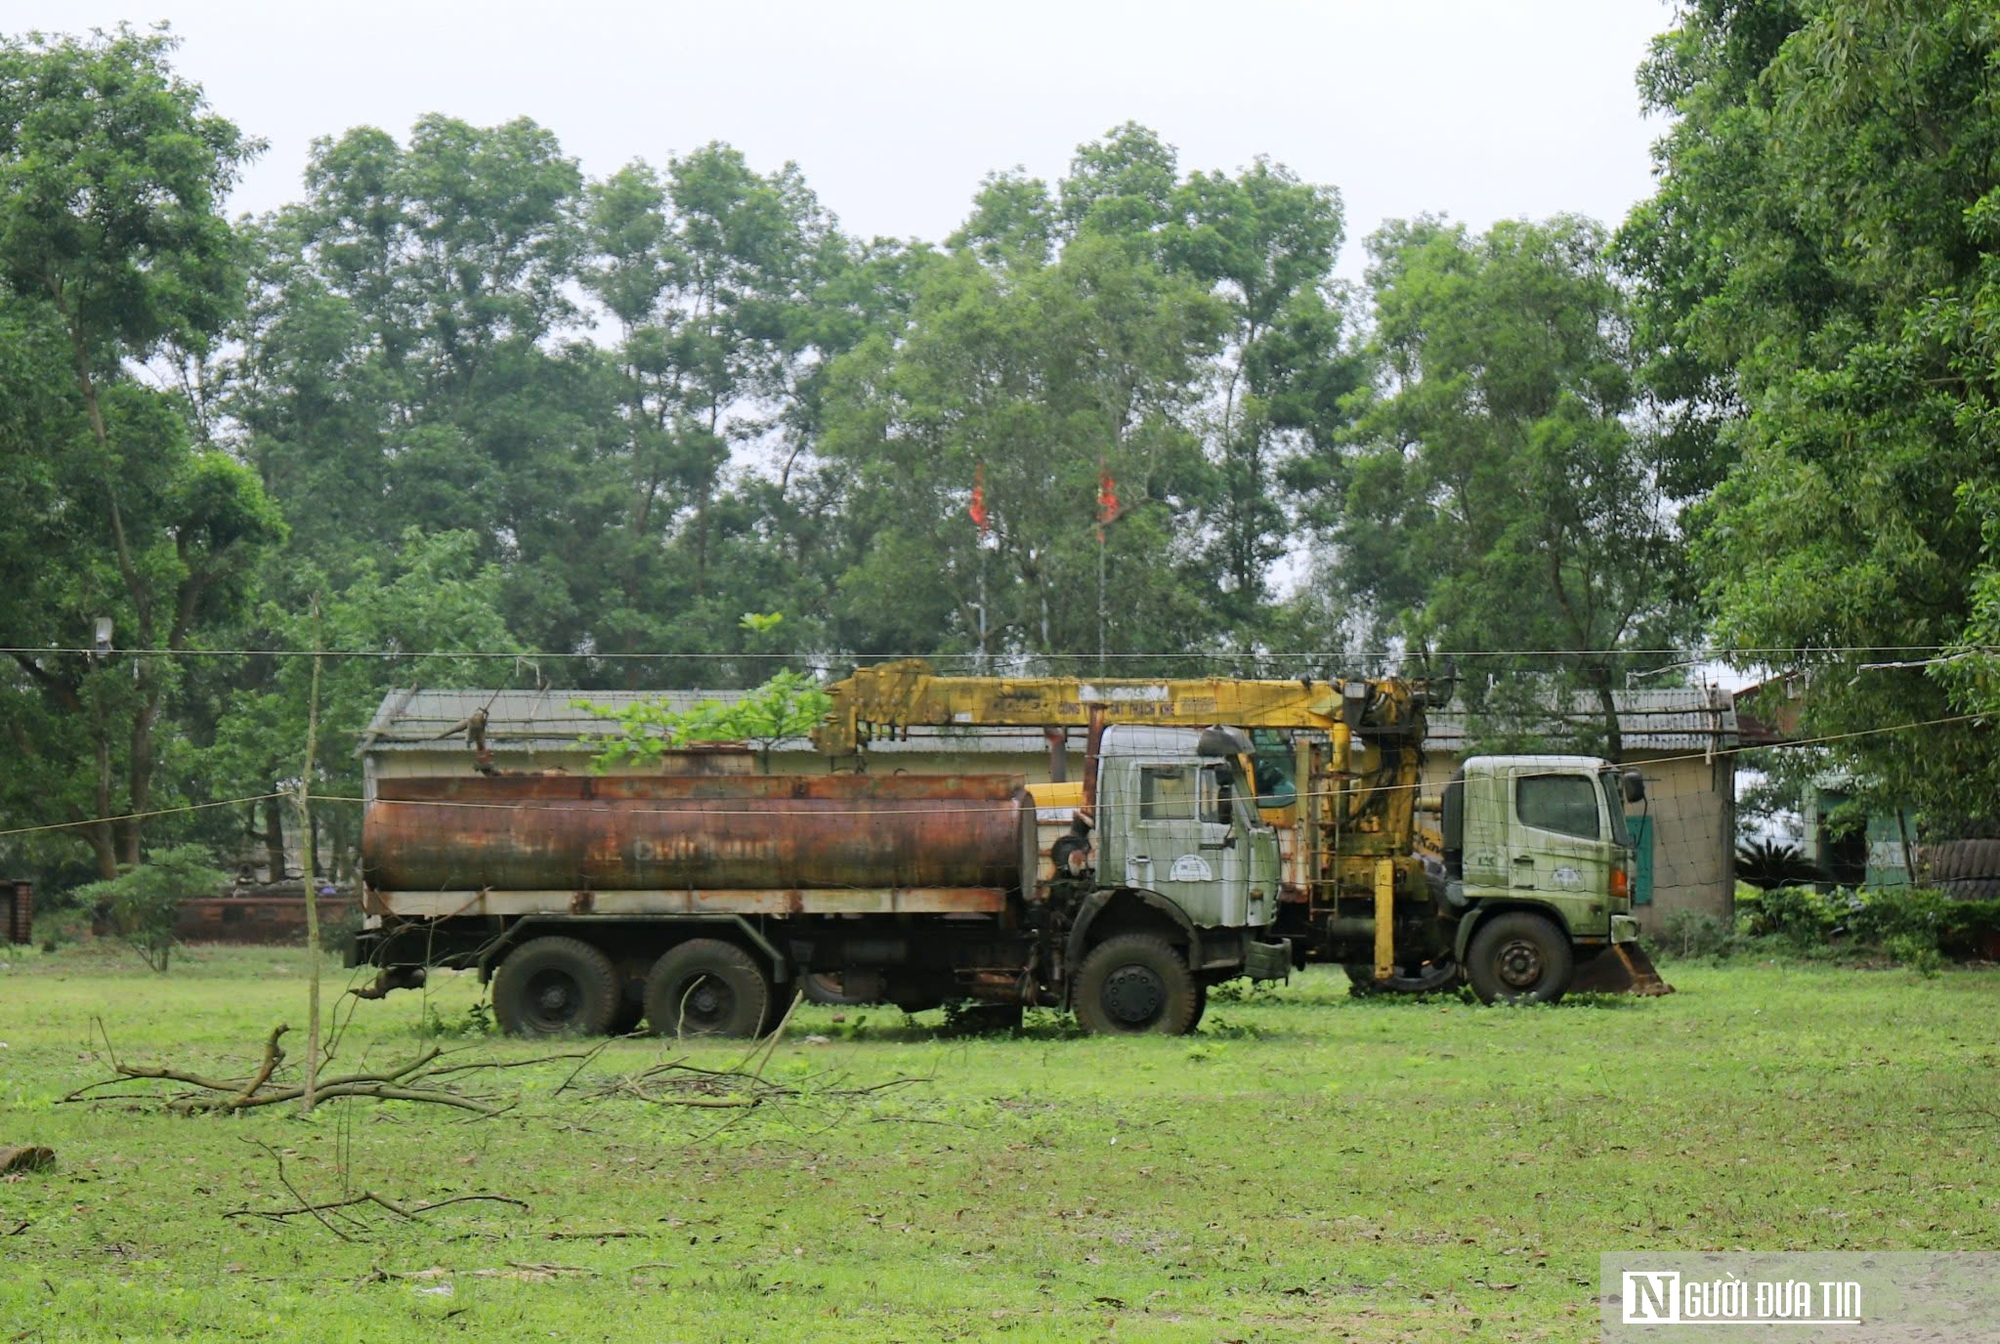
(1546, 836)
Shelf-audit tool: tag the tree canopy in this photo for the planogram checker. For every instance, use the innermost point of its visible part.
(506, 423)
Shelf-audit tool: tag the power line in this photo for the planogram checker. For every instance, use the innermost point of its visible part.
(830, 659)
(141, 816)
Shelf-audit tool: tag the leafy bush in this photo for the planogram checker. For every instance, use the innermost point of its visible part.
(790, 704)
(1244, 991)
(1916, 917)
(59, 929)
(145, 899)
(1917, 952)
(1689, 933)
(475, 1021)
(1797, 916)
(1900, 913)
(1915, 927)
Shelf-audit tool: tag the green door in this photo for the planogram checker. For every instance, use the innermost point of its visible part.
(1642, 866)
(1561, 853)
(1168, 855)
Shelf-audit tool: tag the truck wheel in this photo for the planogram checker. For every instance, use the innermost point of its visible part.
(1136, 982)
(706, 987)
(1519, 957)
(555, 987)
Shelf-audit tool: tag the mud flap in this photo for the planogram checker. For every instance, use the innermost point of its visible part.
(1621, 968)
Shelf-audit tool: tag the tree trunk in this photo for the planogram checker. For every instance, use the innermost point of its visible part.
(274, 836)
(1607, 704)
(103, 839)
(139, 773)
(308, 834)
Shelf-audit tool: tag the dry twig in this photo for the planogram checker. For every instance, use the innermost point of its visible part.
(422, 1079)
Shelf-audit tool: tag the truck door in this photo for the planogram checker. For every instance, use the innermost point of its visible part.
(1560, 852)
(1176, 849)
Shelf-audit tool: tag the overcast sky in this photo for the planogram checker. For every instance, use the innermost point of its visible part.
(1480, 109)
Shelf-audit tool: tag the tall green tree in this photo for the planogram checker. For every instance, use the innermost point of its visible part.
(728, 287)
(411, 358)
(113, 249)
(1033, 382)
(1265, 243)
(1495, 494)
(1821, 274)
(421, 611)
(1196, 316)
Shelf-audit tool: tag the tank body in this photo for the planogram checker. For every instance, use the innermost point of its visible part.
(665, 833)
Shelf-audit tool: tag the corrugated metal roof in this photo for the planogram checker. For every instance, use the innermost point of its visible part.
(1691, 719)
(1679, 719)
(548, 720)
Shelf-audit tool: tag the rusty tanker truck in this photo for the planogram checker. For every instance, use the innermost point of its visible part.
(1222, 829)
(700, 903)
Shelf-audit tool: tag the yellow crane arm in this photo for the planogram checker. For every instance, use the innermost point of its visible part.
(889, 698)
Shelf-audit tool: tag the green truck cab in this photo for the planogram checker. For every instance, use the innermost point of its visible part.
(1538, 870)
(1182, 824)
(1167, 842)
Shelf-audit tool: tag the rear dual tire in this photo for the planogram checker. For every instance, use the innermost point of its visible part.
(552, 987)
(707, 987)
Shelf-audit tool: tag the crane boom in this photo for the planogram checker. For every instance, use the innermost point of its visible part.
(889, 698)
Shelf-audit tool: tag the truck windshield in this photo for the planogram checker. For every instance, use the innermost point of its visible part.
(1614, 798)
(1560, 803)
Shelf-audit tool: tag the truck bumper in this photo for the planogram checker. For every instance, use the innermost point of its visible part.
(1267, 961)
(1624, 929)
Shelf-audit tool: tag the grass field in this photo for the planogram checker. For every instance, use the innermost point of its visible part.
(1308, 1167)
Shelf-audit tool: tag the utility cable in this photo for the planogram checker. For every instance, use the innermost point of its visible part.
(826, 659)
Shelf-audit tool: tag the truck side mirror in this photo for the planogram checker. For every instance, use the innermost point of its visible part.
(1633, 785)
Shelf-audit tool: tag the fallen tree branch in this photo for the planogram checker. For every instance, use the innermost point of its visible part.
(410, 1212)
(422, 1079)
(742, 1088)
(274, 1054)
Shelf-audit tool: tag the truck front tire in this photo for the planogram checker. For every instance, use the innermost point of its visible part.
(1519, 957)
(1133, 983)
(555, 987)
(707, 987)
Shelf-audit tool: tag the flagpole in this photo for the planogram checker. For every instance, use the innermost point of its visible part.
(1103, 615)
(1107, 512)
(982, 524)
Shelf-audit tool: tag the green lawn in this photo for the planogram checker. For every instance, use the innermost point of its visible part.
(1310, 1166)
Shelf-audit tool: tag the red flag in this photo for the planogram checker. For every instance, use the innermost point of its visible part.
(1107, 501)
(980, 518)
